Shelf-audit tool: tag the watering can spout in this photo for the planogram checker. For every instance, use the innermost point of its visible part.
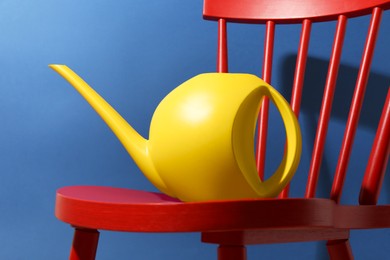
(134, 143)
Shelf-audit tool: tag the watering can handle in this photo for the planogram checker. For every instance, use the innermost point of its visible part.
(274, 184)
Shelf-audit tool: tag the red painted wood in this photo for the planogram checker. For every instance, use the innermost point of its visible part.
(222, 52)
(326, 107)
(269, 42)
(340, 249)
(271, 236)
(300, 67)
(262, 137)
(227, 252)
(130, 210)
(121, 209)
(379, 157)
(299, 76)
(84, 244)
(261, 142)
(345, 217)
(284, 11)
(362, 216)
(356, 105)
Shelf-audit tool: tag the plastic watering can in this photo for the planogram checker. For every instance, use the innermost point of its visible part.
(201, 140)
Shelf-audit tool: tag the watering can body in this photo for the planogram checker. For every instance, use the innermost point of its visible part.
(201, 137)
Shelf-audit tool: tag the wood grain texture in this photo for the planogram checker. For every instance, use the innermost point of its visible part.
(362, 216)
(130, 210)
(270, 236)
(119, 209)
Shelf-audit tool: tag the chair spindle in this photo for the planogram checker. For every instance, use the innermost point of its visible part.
(356, 105)
(222, 53)
(326, 107)
(263, 116)
(377, 162)
(299, 77)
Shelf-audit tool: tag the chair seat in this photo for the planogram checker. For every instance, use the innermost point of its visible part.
(120, 209)
(362, 216)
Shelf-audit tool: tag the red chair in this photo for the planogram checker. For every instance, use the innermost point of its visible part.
(234, 224)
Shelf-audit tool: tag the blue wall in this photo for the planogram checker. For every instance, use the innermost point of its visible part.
(133, 53)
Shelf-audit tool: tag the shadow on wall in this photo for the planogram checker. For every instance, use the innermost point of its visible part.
(316, 72)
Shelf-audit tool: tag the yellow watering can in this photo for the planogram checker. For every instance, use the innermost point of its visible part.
(201, 137)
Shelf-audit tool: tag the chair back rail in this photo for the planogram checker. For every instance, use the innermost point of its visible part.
(287, 11)
(272, 13)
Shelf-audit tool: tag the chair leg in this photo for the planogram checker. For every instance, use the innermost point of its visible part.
(84, 244)
(226, 252)
(339, 249)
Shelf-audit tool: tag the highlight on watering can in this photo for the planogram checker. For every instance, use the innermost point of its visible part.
(201, 137)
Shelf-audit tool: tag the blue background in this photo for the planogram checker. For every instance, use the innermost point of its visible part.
(134, 53)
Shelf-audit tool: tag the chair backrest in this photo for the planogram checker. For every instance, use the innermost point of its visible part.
(306, 12)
